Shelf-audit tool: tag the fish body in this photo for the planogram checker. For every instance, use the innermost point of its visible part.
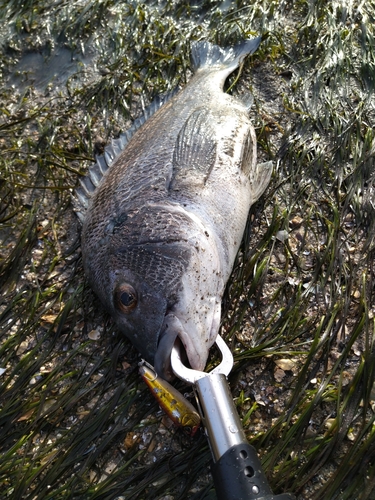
(163, 226)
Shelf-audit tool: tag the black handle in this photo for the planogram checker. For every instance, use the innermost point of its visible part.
(238, 475)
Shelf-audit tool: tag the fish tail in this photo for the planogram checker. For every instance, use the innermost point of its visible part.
(206, 55)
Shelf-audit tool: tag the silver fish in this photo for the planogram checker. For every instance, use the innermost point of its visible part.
(162, 225)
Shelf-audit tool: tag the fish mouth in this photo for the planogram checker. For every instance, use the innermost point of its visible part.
(168, 336)
(162, 362)
(173, 331)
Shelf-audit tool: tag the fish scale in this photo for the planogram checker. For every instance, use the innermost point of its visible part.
(162, 225)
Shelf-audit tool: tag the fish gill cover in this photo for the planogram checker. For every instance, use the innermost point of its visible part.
(76, 421)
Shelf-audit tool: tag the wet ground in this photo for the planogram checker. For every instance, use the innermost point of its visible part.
(77, 421)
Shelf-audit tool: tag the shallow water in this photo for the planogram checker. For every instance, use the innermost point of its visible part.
(46, 68)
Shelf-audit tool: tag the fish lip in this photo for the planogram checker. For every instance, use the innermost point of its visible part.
(167, 338)
(163, 366)
(172, 331)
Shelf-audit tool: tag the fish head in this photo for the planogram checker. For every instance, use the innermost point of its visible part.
(159, 287)
(137, 284)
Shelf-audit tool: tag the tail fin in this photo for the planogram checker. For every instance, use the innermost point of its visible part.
(206, 55)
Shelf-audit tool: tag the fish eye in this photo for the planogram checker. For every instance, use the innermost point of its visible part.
(125, 298)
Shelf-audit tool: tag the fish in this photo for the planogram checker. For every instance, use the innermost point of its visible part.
(165, 207)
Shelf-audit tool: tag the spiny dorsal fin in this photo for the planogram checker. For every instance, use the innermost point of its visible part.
(83, 193)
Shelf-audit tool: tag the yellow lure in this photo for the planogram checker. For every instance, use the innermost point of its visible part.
(175, 405)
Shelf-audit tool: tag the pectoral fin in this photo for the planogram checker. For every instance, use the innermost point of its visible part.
(195, 150)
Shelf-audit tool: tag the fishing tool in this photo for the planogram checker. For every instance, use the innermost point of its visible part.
(236, 469)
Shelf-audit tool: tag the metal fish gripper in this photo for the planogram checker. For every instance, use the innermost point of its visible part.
(237, 470)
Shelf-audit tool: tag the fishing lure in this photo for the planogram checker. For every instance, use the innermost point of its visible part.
(176, 406)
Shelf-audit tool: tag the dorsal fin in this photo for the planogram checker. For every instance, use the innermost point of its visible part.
(88, 183)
